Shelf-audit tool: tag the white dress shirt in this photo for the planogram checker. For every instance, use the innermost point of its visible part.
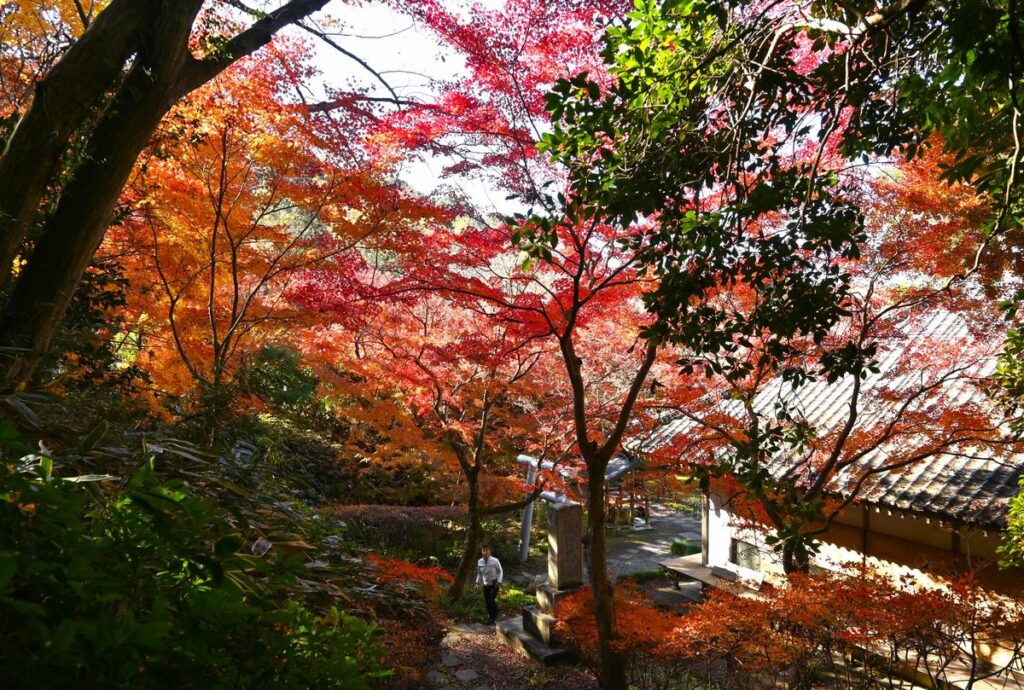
(489, 572)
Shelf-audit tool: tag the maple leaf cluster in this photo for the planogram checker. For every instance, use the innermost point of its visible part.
(800, 630)
(34, 35)
(428, 579)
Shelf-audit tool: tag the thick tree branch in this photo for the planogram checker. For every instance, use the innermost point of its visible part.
(199, 71)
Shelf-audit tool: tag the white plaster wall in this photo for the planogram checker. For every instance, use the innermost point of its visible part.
(980, 544)
(771, 559)
(830, 557)
(844, 557)
(719, 532)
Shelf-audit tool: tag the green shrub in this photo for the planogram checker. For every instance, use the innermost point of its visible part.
(689, 502)
(642, 576)
(143, 584)
(684, 547)
(276, 375)
(511, 599)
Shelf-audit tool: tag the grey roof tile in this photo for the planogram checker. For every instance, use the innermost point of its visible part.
(970, 485)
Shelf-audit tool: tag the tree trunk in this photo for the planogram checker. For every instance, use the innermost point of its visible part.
(74, 231)
(214, 404)
(799, 677)
(163, 71)
(612, 665)
(474, 535)
(64, 102)
(795, 558)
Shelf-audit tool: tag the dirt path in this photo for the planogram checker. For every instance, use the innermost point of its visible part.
(474, 658)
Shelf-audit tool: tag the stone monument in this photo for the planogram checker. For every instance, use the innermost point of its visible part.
(565, 545)
(536, 634)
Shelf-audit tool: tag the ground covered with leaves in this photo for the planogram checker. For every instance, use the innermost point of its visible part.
(498, 667)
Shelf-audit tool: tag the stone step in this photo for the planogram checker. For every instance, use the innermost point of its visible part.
(512, 633)
(548, 597)
(539, 624)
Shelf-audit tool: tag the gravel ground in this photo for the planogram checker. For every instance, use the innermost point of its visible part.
(631, 552)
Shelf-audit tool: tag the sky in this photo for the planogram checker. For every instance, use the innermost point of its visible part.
(410, 58)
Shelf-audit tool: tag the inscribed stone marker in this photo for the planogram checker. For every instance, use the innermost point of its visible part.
(565, 545)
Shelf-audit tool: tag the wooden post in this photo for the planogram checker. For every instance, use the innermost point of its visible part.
(705, 510)
(633, 485)
(618, 507)
(865, 528)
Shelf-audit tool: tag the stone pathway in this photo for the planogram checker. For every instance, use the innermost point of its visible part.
(632, 552)
(473, 658)
(453, 672)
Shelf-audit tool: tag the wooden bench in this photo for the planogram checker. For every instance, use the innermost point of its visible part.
(690, 568)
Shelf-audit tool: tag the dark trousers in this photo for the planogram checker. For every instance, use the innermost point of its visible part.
(490, 599)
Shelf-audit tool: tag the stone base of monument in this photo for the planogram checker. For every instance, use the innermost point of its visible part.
(539, 624)
(548, 597)
(534, 633)
(511, 631)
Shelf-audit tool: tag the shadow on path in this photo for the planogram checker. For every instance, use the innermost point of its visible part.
(633, 552)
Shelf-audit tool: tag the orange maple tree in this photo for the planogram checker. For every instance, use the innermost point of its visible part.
(472, 392)
(243, 195)
(34, 36)
(831, 630)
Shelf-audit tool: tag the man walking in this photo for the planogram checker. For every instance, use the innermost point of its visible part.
(490, 575)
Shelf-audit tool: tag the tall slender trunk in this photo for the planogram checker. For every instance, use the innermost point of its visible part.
(214, 405)
(612, 665)
(474, 535)
(795, 558)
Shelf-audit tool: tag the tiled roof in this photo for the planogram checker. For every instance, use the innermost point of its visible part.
(619, 465)
(971, 485)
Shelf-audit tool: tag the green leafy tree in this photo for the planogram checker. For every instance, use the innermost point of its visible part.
(739, 130)
(276, 375)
